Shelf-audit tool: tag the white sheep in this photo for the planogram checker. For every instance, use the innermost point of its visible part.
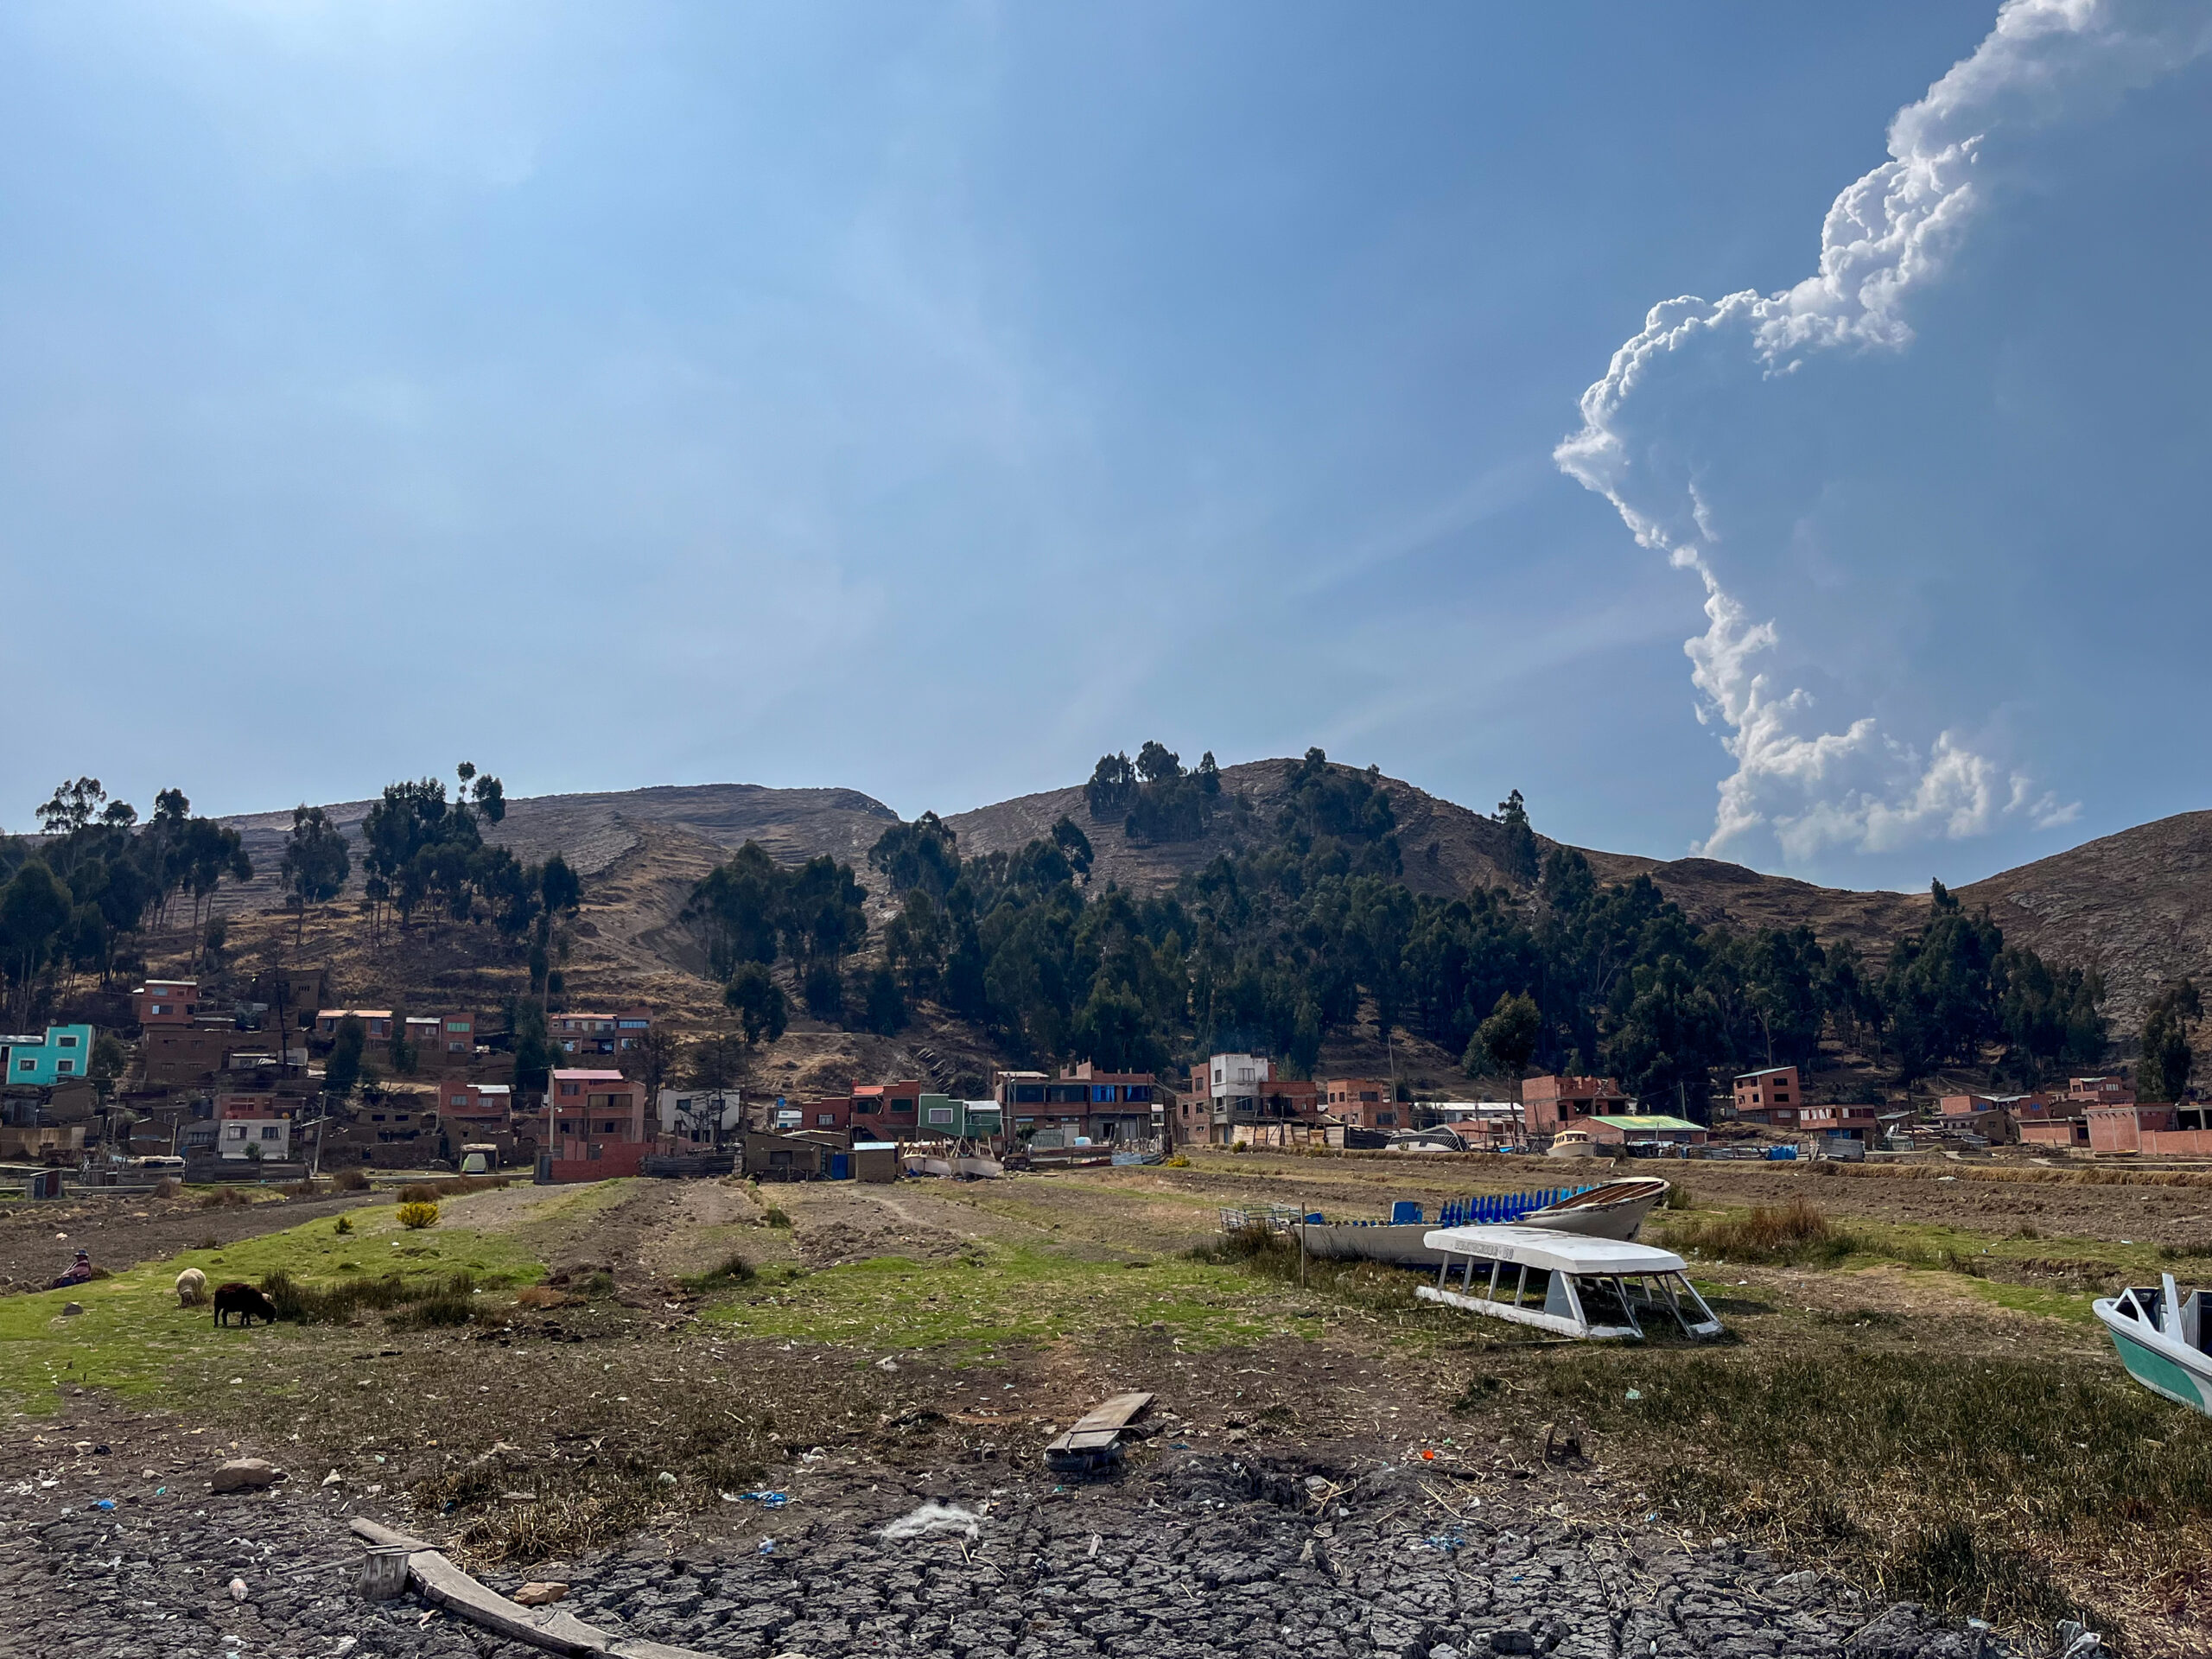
(191, 1287)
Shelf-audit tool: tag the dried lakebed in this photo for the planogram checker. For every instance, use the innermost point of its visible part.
(1194, 1556)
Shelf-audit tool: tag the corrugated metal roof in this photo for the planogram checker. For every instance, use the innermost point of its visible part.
(1640, 1122)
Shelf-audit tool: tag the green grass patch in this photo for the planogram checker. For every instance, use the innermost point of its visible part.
(731, 1272)
(2046, 1301)
(994, 1294)
(133, 1339)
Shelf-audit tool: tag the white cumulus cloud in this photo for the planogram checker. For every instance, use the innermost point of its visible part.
(1663, 435)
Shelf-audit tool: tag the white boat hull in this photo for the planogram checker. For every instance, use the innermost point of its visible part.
(2160, 1363)
(1588, 1215)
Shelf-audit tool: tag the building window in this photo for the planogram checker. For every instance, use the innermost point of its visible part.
(65, 1066)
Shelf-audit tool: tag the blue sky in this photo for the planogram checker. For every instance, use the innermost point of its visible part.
(922, 399)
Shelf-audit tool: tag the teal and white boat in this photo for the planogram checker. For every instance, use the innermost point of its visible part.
(2160, 1335)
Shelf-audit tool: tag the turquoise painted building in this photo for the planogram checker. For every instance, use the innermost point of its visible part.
(64, 1055)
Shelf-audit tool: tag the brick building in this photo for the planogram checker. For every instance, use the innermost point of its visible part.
(166, 1002)
(885, 1111)
(1552, 1103)
(597, 1125)
(376, 1022)
(1772, 1097)
(599, 1033)
(1364, 1104)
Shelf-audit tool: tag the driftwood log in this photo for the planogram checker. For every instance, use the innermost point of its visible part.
(439, 1582)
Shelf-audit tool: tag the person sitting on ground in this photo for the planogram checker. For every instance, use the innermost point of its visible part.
(80, 1271)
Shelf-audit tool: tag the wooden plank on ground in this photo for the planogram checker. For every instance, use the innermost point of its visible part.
(1096, 1435)
(1115, 1413)
(443, 1585)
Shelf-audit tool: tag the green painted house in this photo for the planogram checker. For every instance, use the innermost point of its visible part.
(63, 1055)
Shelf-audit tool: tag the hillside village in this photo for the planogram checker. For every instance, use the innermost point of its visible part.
(415, 985)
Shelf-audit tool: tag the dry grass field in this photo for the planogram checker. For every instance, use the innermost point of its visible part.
(1911, 1393)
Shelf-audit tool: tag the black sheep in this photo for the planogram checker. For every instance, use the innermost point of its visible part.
(244, 1300)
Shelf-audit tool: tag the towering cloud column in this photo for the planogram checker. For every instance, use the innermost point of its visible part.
(1713, 431)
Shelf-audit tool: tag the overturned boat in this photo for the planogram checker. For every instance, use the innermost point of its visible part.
(1570, 1285)
(2160, 1335)
(1614, 1210)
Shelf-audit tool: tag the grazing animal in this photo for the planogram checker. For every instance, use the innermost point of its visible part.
(244, 1300)
(191, 1287)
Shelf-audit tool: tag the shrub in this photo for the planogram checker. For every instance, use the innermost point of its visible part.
(345, 1225)
(351, 1180)
(416, 1217)
(1793, 1234)
(337, 1304)
(735, 1270)
(168, 1187)
(433, 1191)
(434, 1311)
(223, 1197)
(776, 1217)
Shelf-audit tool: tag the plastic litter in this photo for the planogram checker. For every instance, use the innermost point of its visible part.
(766, 1500)
(105, 1503)
(927, 1519)
(1634, 1393)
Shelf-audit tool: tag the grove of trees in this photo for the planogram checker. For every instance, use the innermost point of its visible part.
(75, 901)
(1309, 930)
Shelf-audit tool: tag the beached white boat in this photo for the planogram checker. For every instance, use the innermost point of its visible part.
(1572, 1143)
(2160, 1335)
(976, 1167)
(922, 1164)
(1616, 1209)
(1575, 1286)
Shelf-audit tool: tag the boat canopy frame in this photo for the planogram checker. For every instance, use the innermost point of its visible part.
(1579, 1283)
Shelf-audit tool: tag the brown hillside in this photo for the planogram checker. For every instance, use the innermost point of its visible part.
(2136, 906)
(594, 831)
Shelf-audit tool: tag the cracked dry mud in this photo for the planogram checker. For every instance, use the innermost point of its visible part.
(1199, 1555)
